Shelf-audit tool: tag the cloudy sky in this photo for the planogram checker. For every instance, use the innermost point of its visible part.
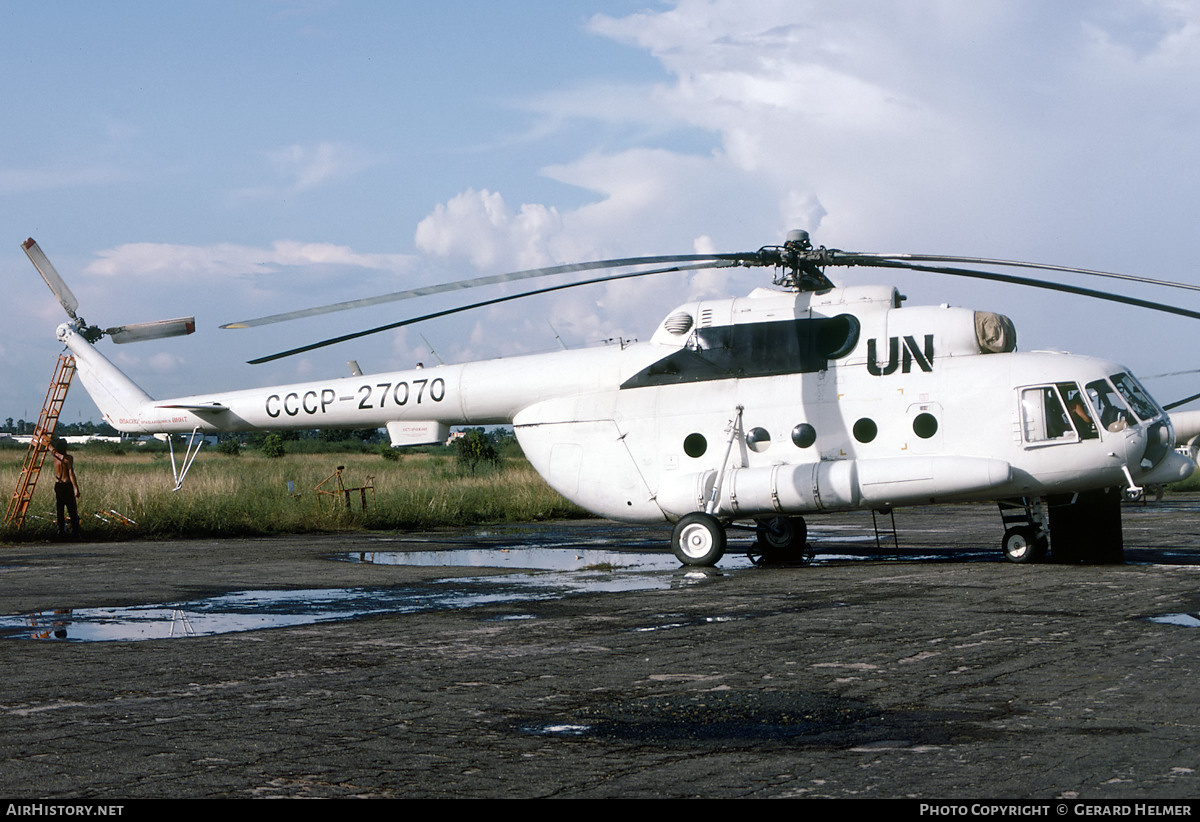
(234, 159)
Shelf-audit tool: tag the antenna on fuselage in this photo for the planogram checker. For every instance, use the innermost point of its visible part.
(429, 345)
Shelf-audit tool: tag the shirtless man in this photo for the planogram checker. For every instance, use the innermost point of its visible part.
(66, 486)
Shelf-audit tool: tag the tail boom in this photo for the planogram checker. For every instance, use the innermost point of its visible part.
(119, 399)
(477, 393)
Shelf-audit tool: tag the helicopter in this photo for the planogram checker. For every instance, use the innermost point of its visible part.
(751, 412)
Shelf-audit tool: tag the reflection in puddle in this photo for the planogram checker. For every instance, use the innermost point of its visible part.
(557, 730)
(1186, 620)
(543, 563)
(253, 610)
(540, 558)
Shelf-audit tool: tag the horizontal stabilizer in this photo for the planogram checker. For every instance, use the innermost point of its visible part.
(137, 332)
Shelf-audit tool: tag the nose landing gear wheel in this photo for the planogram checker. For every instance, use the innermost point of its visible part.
(699, 539)
(1134, 494)
(1023, 544)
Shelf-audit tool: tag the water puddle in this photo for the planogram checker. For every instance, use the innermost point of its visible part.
(541, 564)
(557, 730)
(1186, 620)
(255, 610)
(539, 558)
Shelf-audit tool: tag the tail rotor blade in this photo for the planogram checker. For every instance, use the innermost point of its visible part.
(51, 276)
(137, 332)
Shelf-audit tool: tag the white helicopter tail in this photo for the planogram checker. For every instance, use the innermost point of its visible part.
(119, 398)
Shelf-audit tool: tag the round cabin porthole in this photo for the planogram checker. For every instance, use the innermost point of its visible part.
(925, 425)
(865, 430)
(694, 445)
(804, 435)
(837, 336)
(758, 439)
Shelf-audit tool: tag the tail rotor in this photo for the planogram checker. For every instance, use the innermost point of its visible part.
(133, 332)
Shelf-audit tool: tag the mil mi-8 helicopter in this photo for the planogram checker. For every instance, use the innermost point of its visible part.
(793, 400)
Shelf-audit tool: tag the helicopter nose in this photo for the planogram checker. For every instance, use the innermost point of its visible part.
(1158, 443)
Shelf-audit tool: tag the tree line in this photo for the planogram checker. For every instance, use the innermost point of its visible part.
(63, 429)
(476, 448)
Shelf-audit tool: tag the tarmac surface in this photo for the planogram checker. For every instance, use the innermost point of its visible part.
(929, 670)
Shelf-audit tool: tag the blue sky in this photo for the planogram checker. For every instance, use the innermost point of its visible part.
(236, 159)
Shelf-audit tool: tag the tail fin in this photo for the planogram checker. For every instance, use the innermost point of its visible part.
(119, 399)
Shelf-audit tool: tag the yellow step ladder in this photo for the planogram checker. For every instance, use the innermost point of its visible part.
(47, 421)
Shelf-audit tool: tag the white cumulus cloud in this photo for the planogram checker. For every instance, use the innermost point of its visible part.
(481, 227)
(224, 260)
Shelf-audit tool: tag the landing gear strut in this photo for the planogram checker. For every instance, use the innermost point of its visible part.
(1026, 537)
(1080, 528)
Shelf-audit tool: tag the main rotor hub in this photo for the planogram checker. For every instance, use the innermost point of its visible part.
(801, 266)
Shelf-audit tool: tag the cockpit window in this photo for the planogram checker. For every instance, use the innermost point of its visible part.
(1043, 415)
(1077, 410)
(1137, 398)
(1114, 413)
(1056, 413)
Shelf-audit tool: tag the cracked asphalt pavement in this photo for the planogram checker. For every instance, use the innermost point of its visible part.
(932, 669)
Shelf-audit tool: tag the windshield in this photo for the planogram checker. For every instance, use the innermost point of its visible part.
(1111, 408)
(1134, 394)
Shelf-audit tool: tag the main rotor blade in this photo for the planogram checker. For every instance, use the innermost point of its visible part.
(854, 258)
(481, 281)
(51, 276)
(1171, 374)
(456, 310)
(1178, 403)
(1032, 283)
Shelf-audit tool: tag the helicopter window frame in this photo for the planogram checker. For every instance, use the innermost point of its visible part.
(1057, 413)
(1111, 409)
(865, 430)
(1135, 396)
(925, 425)
(1044, 419)
(804, 435)
(758, 439)
(695, 445)
(1078, 412)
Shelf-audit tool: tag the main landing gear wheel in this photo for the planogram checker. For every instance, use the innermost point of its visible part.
(1023, 544)
(780, 540)
(1134, 494)
(699, 539)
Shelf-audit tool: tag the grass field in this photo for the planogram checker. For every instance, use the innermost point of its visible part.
(248, 494)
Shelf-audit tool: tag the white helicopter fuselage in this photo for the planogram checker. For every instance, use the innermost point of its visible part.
(779, 403)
